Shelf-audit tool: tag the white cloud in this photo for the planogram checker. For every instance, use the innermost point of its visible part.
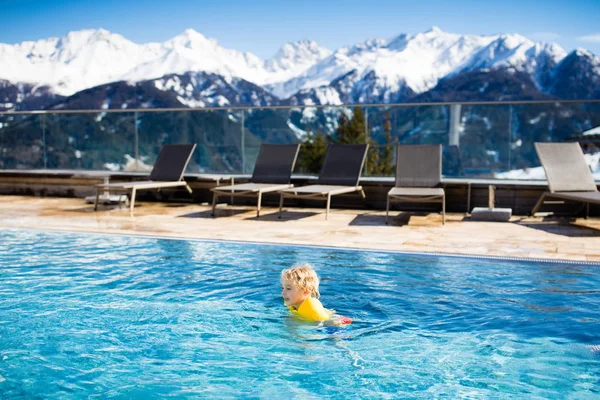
(546, 36)
(594, 38)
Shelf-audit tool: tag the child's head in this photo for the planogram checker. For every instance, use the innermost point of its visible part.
(298, 283)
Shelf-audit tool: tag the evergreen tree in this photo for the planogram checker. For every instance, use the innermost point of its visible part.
(353, 132)
(342, 133)
(349, 131)
(312, 152)
(385, 166)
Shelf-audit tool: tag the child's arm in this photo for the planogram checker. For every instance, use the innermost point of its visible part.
(337, 320)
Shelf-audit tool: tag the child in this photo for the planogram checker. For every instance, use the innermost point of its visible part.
(300, 292)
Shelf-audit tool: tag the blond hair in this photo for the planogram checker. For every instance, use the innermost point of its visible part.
(304, 277)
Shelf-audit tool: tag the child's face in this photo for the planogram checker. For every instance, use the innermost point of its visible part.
(292, 295)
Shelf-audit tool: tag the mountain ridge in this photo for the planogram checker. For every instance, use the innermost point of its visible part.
(300, 73)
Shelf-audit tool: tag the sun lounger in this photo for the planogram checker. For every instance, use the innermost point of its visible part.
(340, 173)
(569, 177)
(418, 172)
(272, 172)
(167, 172)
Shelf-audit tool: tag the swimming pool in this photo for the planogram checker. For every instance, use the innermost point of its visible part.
(97, 316)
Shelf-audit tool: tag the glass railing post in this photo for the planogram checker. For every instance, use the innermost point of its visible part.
(510, 136)
(243, 144)
(43, 122)
(367, 136)
(366, 113)
(454, 134)
(136, 149)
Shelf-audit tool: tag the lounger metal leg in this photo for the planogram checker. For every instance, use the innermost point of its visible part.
(587, 210)
(214, 204)
(132, 203)
(126, 201)
(328, 204)
(97, 198)
(538, 205)
(362, 193)
(189, 189)
(468, 197)
(581, 207)
(258, 205)
(444, 209)
(387, 209)
(280, 205)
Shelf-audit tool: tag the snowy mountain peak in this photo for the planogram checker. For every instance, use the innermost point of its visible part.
(585, 60)
(581, 52)
(433, 30)
(86, 37)
(190, 32)
(383, 67)
(293, 59)
(191, 39)
(305, 52)
(513, 40)
(417, 62)
(551, 48)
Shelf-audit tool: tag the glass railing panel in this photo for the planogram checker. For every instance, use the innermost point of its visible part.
(22, 144)
(413, 124)
(315, 127)
(277, 126)
(492, 141)
(281, 126)
(392, 125)
(482, 145)
(263, 125)
(89, 141)
(547, 122)
(312, 127)
(217, 134)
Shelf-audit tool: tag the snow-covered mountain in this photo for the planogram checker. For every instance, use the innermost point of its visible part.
(379, 69)
(88, 58)
(293, 59)
(26, 96)
(203, 73)
(78, 61)
(577, 76)
(191, 89)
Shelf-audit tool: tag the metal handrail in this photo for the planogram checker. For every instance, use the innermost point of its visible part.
(242, 108)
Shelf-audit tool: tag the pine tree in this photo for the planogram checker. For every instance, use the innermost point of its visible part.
(312, 152)
(349, 131)
(353, 131)
(342, 133)
(385, 166)
(356, 127)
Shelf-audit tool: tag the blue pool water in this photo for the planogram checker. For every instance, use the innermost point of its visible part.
(95, 316)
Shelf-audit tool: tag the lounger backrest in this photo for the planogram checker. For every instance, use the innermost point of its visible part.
(418, 165)
(275, 163)
(171, 162)
(343, 164)
(565, 167)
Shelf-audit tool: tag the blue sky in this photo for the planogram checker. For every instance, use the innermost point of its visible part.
(262, 26)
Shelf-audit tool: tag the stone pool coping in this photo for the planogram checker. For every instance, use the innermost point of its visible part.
(539, 238)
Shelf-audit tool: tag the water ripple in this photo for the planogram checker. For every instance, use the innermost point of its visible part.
(91, 316)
